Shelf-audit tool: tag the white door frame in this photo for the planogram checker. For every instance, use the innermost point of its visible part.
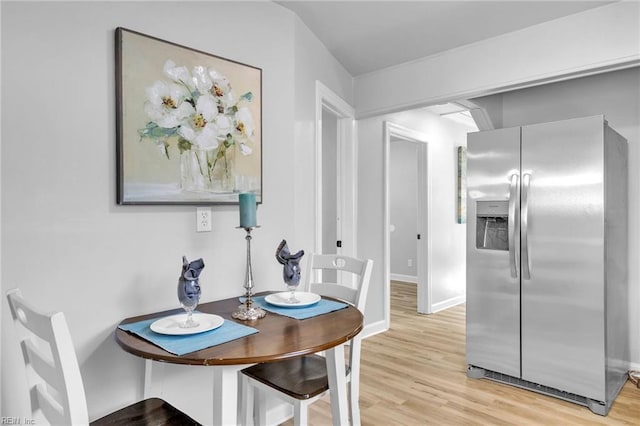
(347, 169)
(424, 217)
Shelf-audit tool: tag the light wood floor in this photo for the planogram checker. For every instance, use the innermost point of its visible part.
(415, 374)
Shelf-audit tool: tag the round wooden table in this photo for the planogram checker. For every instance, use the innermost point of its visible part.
(279, 337)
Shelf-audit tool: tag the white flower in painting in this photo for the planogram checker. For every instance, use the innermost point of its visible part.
(221, 89)
(245, 149)
(206, 105)
(224, 126)
(201, 128)
(166, 104)
(205, 138)
(201, 80)
(178, 74)
(220, 82)
(244, 122)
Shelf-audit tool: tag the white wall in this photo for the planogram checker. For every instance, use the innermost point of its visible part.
(617, 96)
(448, 237)
(403, 209)
(66, 243)
(563, 48)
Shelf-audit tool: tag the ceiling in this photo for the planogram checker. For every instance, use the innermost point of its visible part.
(366, 36)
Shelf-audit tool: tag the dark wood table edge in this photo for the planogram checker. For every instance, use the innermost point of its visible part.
(164, 356)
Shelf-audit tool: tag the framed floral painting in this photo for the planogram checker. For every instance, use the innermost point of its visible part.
(189, 124)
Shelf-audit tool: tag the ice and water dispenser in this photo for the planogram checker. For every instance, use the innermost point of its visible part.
(492, 225)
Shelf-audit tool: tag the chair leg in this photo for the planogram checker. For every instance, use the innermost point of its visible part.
(354, 404)
(354, 383)
(246, 407)
(354, 397)
(300, 414)
(337, 385)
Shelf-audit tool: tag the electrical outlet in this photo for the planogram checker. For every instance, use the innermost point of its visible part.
(203, 219)
(409, 262)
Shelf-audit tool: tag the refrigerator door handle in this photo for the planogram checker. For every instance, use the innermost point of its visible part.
(526, 270)
(513, 202)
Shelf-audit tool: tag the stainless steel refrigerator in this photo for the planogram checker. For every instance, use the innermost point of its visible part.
(547, 259)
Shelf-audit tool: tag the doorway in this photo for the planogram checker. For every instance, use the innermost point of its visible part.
(394, 133)
(403, 222)
(331, 231)
(336, 172)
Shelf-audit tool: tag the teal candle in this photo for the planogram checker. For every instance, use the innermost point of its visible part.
(247, 209)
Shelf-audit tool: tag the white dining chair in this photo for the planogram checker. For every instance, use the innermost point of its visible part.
(303, 380)
(55, 385)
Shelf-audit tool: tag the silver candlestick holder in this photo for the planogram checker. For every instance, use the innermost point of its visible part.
(247, 311)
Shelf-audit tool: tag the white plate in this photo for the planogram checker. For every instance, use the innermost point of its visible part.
(282, 299)
(171, 325)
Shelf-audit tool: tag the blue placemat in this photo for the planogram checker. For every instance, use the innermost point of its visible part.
(324, 306)
(180, 345)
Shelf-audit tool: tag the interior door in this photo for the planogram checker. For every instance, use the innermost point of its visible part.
(493, 286)
(330, 189)
(563, 300)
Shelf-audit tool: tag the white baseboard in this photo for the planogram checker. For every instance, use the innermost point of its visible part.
(404, 278)
(448, 303)
(375, 328)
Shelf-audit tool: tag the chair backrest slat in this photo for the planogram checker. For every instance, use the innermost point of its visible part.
(45, 402)
(42, 364)
(37, 323)
(338, 262)
(55, 382)
(361, 268)
(335, 290)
